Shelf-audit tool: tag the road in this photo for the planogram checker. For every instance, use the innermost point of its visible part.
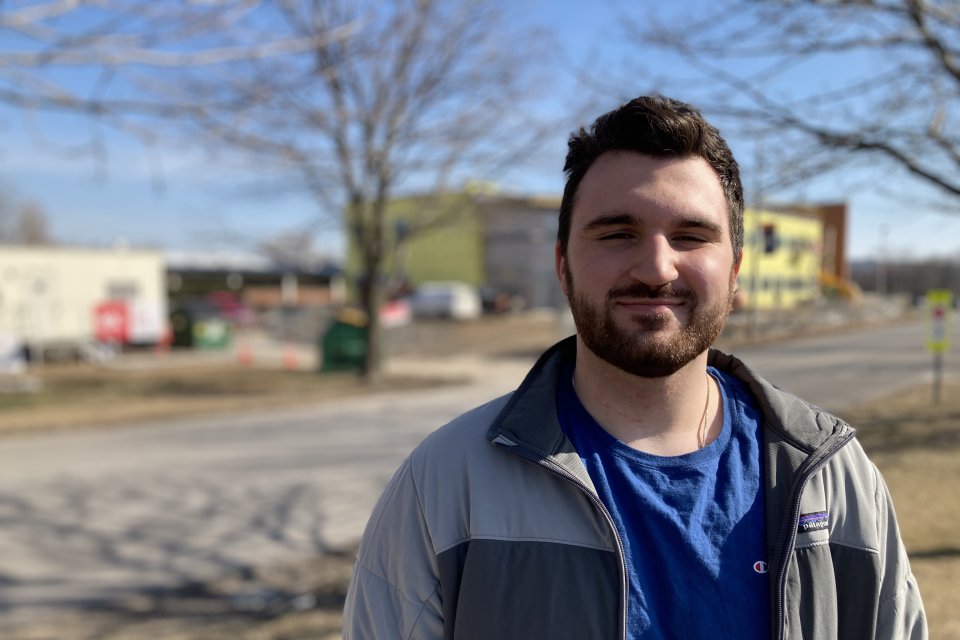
(841, 370)
(96, 515)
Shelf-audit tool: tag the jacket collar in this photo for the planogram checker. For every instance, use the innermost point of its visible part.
(799, 423)
(530, 416)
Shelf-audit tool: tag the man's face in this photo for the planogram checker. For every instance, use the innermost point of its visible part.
(649, 271)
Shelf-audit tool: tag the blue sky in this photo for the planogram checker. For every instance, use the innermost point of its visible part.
(204, 203)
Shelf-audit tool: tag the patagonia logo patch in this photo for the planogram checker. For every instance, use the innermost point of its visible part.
(813, 521)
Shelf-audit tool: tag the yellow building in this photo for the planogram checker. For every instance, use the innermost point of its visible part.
(782, 258)
(507, 243)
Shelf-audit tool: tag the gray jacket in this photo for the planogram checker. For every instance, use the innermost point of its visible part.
(492, 529)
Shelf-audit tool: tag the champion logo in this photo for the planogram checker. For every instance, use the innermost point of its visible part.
(813, 521)
(760, 566)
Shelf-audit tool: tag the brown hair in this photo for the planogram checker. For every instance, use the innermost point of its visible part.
(661, 128)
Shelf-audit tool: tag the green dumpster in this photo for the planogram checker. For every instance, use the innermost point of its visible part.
(195, 325)
(344, 343)
(211, 333)
(181, 324)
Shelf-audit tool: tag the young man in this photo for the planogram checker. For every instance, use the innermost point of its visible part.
(638, 484)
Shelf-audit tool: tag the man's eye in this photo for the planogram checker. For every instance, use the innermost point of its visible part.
(616, 235)
(690, 239)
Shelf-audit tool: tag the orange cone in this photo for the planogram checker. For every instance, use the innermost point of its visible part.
(162, 348)
(245, 354)
(290, 361)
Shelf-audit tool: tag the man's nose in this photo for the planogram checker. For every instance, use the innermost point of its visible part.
(655, 262)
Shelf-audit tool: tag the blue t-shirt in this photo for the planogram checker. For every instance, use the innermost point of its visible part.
(692, 526)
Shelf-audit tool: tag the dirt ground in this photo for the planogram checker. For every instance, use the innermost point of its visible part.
(85, 397)
(145, 386)
(915, 443)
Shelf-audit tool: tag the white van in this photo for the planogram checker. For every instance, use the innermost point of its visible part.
(456, 300)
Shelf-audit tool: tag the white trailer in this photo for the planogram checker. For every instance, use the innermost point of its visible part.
(68, 297)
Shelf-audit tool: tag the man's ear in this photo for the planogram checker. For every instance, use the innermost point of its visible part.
(560, 264)
(736, 268)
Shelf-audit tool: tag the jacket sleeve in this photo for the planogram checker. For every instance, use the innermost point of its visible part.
(394, 592)
(900, 612)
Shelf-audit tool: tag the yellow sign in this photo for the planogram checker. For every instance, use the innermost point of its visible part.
(939, 302)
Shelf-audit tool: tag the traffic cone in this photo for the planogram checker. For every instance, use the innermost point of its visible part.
(290, 360)
(162, 348)
(245, 354)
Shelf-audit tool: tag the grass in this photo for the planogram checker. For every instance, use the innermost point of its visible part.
(83, 396)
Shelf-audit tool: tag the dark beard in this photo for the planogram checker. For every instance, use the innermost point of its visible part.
(644, 355)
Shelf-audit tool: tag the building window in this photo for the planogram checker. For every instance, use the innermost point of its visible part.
(122, 290)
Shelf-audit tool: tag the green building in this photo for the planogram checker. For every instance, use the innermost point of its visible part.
(502, 243)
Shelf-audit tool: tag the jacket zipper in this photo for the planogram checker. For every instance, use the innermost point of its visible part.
(563, 473)
(794, 520)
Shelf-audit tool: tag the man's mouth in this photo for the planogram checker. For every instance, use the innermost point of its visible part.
(658, 302)
(670, 302)
(642, 294)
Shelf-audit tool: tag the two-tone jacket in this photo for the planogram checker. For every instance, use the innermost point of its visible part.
(492, 529)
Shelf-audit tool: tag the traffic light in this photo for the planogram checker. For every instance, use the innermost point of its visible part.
(770, 239)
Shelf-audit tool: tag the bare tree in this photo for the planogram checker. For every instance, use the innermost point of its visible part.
(23, 223)
(33, 226)
(424, 95)
(108, 61)
(291, 248)
(833, 82)
(354, 101)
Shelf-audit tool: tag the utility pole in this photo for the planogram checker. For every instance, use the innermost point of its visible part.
(881, 274)
(755, 239)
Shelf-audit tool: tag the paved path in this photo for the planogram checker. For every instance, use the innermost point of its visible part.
(92, 516)
(848, 369)
(86, 516)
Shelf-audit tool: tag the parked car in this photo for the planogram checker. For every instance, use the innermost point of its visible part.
(456, 300)
(501, 301)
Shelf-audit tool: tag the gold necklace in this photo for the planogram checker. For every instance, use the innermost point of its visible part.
(702, 437)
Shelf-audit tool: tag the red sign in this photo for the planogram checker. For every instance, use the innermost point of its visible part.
(111, 322)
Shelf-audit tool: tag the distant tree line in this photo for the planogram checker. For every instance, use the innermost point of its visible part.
(912, 277)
